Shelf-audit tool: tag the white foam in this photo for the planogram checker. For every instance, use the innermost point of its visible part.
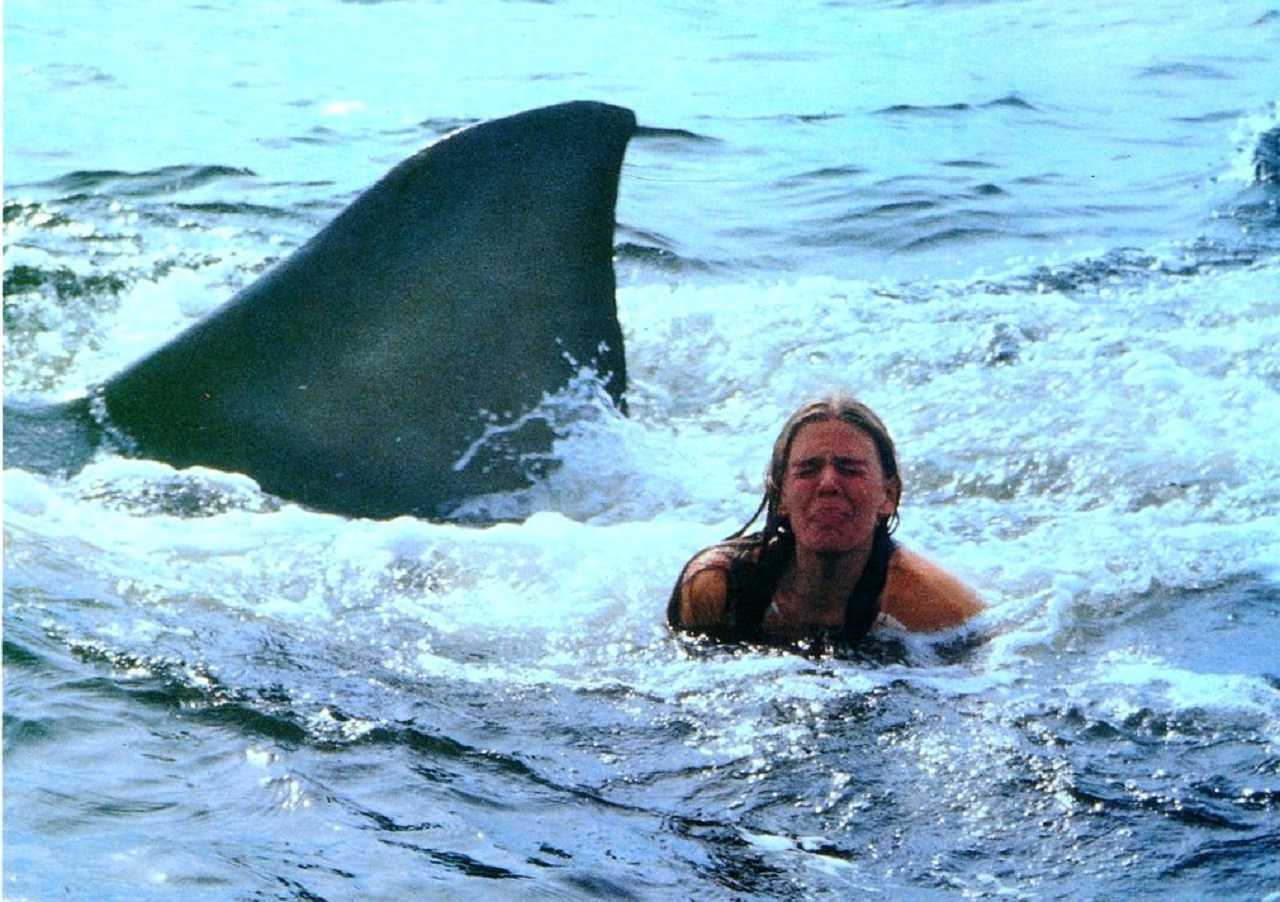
(1140, 475)
(1178, 688)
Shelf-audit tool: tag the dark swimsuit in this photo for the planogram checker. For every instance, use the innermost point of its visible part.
(752, 580)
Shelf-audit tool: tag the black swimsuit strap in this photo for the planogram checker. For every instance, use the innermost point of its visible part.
(863, 607)
(753, 574)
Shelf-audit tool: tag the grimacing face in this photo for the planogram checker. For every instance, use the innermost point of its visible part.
(834, 489)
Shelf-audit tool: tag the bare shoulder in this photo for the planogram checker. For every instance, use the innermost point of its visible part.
(701, 598)
(924, 597)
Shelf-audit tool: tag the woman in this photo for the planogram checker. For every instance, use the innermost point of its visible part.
(825, 563)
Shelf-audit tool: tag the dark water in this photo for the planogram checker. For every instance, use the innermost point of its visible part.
(237, 784)
(1028, 233)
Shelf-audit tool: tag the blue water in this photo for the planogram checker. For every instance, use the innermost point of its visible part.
(1027, 233)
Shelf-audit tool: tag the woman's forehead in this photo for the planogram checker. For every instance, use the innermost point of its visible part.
(831, 437)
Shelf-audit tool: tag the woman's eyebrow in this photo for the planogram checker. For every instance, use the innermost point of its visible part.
(852, 459)
(836, 458)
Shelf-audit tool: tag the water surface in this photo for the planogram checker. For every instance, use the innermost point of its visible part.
(1026, 233)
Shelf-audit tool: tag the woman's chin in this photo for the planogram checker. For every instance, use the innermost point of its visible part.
(830, 544)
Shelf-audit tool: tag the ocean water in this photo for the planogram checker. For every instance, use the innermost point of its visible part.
(1027, 233)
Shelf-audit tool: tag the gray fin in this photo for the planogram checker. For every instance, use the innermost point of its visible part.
(472, 279)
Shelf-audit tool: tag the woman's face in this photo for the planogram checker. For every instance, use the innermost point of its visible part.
(834, 488)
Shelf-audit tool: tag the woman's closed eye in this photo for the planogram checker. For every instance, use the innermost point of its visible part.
(848, 467)
(845, 466)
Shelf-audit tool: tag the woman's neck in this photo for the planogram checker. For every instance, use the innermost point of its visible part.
(816, 586)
